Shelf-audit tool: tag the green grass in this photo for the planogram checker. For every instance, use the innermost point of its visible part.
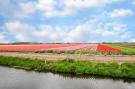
(57, 52)
(126, 50)
(84, 52)
(77, 67)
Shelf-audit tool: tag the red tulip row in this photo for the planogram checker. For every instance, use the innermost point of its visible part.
(105, 48)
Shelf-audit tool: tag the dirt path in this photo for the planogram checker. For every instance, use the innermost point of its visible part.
(98, 58)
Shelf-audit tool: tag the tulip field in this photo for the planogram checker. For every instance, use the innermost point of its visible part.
(59, 47)
(33, 47)
(106, 48)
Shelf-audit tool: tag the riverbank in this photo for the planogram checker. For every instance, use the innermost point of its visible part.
(77, 67)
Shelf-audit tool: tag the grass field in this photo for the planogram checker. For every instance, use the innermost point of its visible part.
(77, 67)
(127, 49)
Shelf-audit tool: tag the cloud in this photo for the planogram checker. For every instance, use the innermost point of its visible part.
(3, 38)
(117, 26)
(8, 7)
(132, 40)
(48, 33)
(109, 34)
(120, 13)
(49, 8)
(87, 3)
(93, 31)
(21, 31)
(43, 33)
(25, 9)
(82, 27)
(84, 32)
(116, 30)
(126, 34)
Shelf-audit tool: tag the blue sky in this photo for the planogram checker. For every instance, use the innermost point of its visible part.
(79, 21)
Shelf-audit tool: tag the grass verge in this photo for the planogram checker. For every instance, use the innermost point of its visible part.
(126, 70)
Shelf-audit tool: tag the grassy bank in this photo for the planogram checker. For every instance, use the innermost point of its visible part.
(126, 50)
(126, 70)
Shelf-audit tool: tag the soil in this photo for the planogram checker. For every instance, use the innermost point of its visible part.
(97, 58)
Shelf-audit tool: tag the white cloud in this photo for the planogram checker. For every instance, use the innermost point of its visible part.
(120, 13)
(92, 31)
(21, 31)
(49, 8)
(47, 5)
(87, 3)
(89, 31)
(69, 6)
(25, 9)
(117, 26)
(110, 34)
(120, 27)
(44, 33)
(86, 32)
(77, 35)
(116, 30)
(126, 34)
(3, 38)
(132, 40)
(8, 8)
(49, 33)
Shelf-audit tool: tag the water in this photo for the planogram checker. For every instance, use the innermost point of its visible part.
(20, 79)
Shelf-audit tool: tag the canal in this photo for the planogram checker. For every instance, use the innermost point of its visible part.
(11, 78)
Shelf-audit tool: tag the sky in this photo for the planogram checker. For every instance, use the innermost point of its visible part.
(67, 21)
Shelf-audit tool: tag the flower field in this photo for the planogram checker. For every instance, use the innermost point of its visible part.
(106, 48)
(33, 47)
(59, 47)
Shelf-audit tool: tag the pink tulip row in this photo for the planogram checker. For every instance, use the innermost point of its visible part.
(73, 47)
(37, 47)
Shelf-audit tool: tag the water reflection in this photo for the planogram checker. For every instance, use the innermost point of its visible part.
(129, 80)
(20, 79)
